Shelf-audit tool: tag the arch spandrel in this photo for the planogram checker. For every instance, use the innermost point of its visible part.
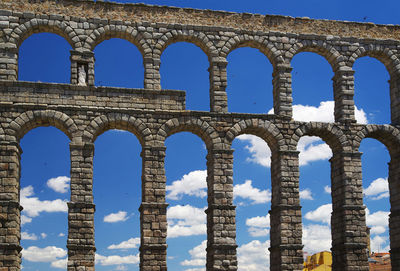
(124, 122)
(37, 118)
(199, 127)
(34, 26)
(328, 132)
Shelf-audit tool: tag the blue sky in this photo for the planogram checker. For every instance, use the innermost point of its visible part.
(117, 162)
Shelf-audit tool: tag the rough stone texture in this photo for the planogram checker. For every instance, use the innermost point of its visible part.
(153, 114)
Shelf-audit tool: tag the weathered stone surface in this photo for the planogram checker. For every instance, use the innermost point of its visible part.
(152, 114)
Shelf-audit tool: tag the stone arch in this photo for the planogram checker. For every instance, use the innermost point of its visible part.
(386, 134)
(33, 119)
(328, 132)
(119, 121)
(320, 47)
(197, 38)
(199, 127)
(117, 31)
(383, 54)
(35, 25)
(260, 43)
(261, 128)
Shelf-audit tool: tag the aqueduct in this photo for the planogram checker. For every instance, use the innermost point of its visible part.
(83, 111)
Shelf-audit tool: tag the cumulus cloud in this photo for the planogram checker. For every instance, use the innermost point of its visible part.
(197, 256)
(253, 256)
(25, 219)
(259, 151)
(116, 259)
(378, 221)
(186, 220)
(33, 206)
(255, 195)
(378, 189)
(47, 254)
(28, 236)
(61, 234)
(192, 184)
(116, 217)
(62, 264)
(321, 214)
(327, 189)
(131, 243)
(43, 235)
(59, 184)
(258, 226)
(378, 244)
(306, 194)
(316, 238)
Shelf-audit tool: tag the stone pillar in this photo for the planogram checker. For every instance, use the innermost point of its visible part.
(152, 73)
(221, 225)
(153, 211)
(10, 221)
(8, 63)
(394, 84)
(218, 83)
(343, 92)
(82, 59)
(80, 244)
(282, 90)
(394, 217)
(349, 234)
(286, 227)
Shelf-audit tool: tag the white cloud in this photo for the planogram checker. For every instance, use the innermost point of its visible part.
(131, 243)
(378, 221)
(377, 230)
(316, 238)
(259, 151)
(193, 184)
(306, 194)
(186, 220)
(321, 214)
(33, 206)
(311, 149)
(47, 254)
(253, 256)
(59, 184)
(121, 268)
(258, 226)
(62, 264)
(61, 234)
(43, 235)
(27, 236)
(247, 191)
(378, 244)
(116, 217)
(197, 256)
(25, 219)
(116, 259)
(327, 189)
(378, 189)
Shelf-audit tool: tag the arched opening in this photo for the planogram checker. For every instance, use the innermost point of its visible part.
(187, 198)
(252, 198)
(371, 89)
(119, 63)
(45, 191)
(117, 194)
(44, 57)
(179, 71)
(315, 195)
(249, 74)
(312, 88)
(376, 199)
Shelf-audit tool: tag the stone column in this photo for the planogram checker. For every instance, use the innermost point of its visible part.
(286, 227)
(394, 218)
(221, 224)
(8, 63)
(83, 59)
(282, 90)
(343, 92)
(152, 73)
(218, 83)
(349, 235)
(80, 244)
(10, 221)
(153, 211)
(394, 84)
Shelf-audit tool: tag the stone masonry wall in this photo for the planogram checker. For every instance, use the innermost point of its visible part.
(153, 114)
